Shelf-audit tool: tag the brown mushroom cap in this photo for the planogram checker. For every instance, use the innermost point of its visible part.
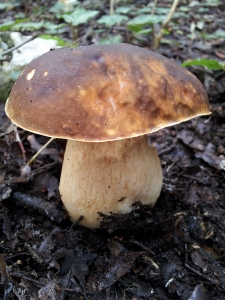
(104, 93)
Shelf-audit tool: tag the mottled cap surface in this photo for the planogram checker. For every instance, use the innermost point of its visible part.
(102, 93)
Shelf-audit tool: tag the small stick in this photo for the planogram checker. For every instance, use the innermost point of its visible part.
(46, 208)
(6, 123)
(164, 24)
(5, 59)
(42, 169)
(111, 7)
(37, 256)
(69, 44)
(39, 151)
(22, 276)
(142, 246)
(167, 149)
(20, 143)
(4, 274)
(153, 7)
(76, 222)
(77, 40)
(200, 274)
(20, 45)
(28, 176)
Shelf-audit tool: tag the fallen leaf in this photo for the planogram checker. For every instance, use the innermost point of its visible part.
(209, 156)
(46, 182)
(199, 293)
(51, 291)
(119, 267)
(191, 139)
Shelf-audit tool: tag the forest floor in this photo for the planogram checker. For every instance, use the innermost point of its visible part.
(176, 250)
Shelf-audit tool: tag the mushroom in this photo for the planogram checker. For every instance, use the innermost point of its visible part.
(104, 100)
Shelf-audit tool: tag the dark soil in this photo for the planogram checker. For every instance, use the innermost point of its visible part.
(176, 250)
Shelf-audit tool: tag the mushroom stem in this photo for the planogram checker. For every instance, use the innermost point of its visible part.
(108, 177)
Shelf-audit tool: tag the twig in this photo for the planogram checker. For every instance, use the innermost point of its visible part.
(149, 259)
(143, 246)
(111, 7)
(28, 176)
(20, 143)
(74, 42)
(200, 274)
(153, 7)
(6, 280)
(43, 169)
(5, 59)
(157, 37)
(186, 252)
(37, 256)
(86, 35)
(18, 254)
(4, 274)
(6, 123)
(40, 205)
(20, 45)
(171, 166)
(167, 149)
(21, 276)
(76, 223)
(39, 151)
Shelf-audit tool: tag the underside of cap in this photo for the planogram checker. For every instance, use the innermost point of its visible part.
(104, 93)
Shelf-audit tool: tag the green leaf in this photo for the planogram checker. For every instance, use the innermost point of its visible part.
(60, 42)
(7, 5)
(49, 26)
(30, 26)
(67, 18)
(144, 10)
(162, 10)
(14, 75)
(200, 24)
(112, 19)
(202, 10)
(179, 14)
(184, 8)
(208, 36)
(135, 28)
(220, 33)
(79, 16)
(169, 42)
(212, 2)
(123, 9)
(8, 25)
(112, 40)
(144, 31)
(20, 25)
(62, 7)
(166, 31)
(146, 20)
(210, 64)
(180, 32)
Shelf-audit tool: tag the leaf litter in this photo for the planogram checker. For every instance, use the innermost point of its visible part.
(174, 251)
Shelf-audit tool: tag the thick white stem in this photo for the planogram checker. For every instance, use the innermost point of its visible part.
(109, 177)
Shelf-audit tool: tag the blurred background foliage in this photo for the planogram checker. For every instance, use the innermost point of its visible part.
(158, 25)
